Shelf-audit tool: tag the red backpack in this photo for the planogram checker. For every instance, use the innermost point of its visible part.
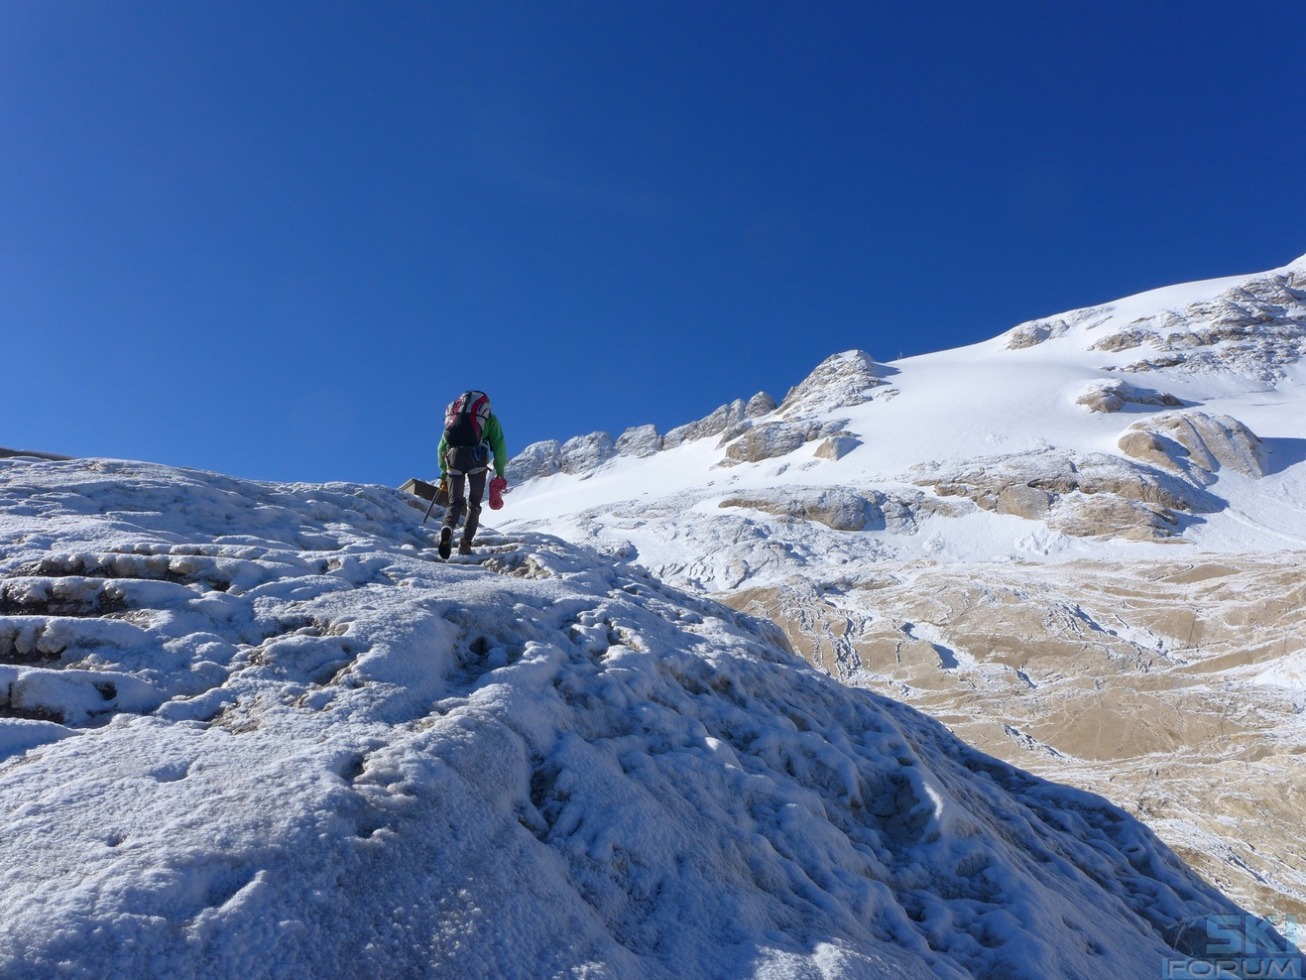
(465, 419)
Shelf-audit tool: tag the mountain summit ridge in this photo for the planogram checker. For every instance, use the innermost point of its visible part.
(1254, 326)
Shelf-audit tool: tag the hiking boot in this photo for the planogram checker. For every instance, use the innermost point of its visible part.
(446, 538)
(464, 547)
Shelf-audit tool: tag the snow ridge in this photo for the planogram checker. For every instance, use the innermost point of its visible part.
(256, 729)
(1255, 327)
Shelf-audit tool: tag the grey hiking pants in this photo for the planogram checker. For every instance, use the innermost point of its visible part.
(474, 485)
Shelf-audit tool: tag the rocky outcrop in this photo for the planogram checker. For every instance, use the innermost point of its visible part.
(1126, 339)
(837, 508)
(1254, 330)
(1195, 445)
(642, 440)
(749, 443)
(837, 446)
(1094, 495)
(765, 442)
(1114, 395)
(539, 459)
(1033, 332)
(725, 417)
(584, 453)
(840, 381)
(576, 455)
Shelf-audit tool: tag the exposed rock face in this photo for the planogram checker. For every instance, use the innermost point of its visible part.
(1255, 330)
(642, 440)
(1085, 496)
(840, 381)
(1164, 686)
(1195, 445)
(1033, 332)
(725, 417)
(1112, 396)
(837, 446)
(749, 443)
(576, 455)
(766, 442)
(1126, 339)
(586, 452)
(838, 508)
(583, 453)
(539, 459)
(1024, 501)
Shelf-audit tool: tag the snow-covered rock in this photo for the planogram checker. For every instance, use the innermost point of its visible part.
(840, 381)
(1113, 395)
(1090, 495)
(1196, 444)
(1253, 326)
(1033, 332)
(724, 418)
(539, 459)
(355, 760)
(836, 507)
(640, 440)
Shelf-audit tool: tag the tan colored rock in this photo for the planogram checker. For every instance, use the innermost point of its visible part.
(1034, 332)
(766, 441)
(1085, 496)
(837, 446)
(1145, 447)
(1186, 441)
(1113, 395)
(1122, 340)
(1172, 689)
(839, 381)
(837, 508)
(720, 420)
(1028, 502)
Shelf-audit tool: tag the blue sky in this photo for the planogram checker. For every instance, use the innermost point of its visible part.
(273, 239)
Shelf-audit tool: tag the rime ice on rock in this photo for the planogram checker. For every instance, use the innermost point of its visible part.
(840, 381)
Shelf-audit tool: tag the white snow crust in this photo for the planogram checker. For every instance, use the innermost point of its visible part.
(257, 730)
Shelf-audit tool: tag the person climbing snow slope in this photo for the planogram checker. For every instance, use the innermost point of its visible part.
(472, 441)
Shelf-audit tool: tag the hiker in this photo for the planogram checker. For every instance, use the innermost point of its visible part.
(472, 435)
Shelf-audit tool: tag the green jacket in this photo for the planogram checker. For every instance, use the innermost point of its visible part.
(493, 434)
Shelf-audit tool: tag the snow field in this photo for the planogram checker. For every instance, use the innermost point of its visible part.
(328, 754)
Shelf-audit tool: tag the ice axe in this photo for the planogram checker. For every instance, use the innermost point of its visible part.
(441, 491)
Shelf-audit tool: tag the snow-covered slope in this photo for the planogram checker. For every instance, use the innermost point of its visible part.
(1121, 415)
(1035, 513)
(255, 730)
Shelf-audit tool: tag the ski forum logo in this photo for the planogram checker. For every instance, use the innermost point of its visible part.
(1242, 947)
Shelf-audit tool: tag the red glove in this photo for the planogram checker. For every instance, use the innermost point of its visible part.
(498, 486)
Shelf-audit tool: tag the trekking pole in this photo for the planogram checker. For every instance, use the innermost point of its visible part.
(434, 497)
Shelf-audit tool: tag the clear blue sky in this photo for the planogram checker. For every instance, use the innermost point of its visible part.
(272, 239)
